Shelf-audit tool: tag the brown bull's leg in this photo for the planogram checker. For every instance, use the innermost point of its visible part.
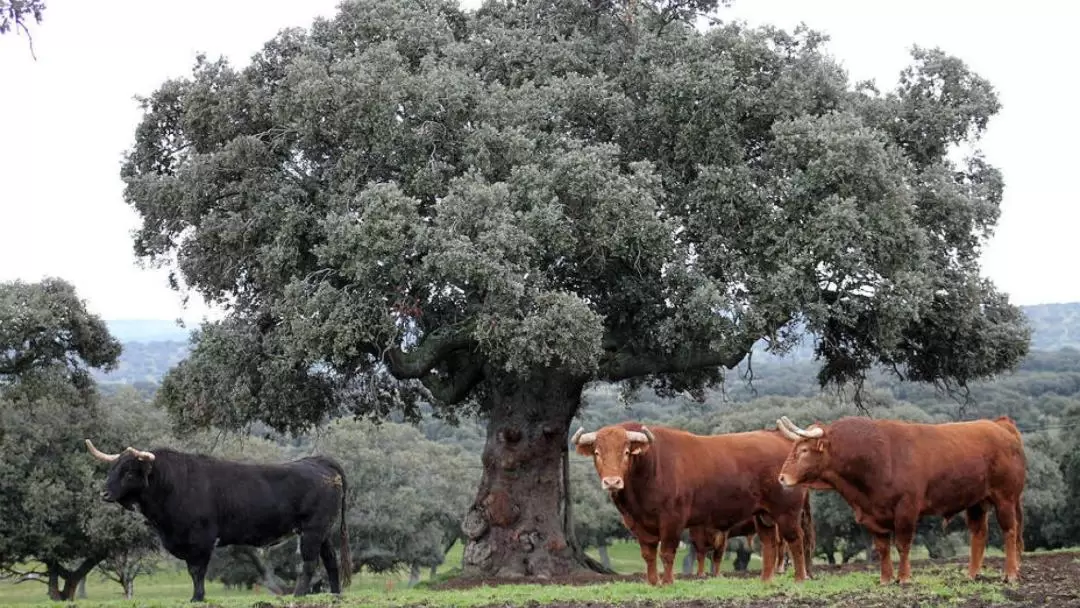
(788, 528)
(669, 544)
(648, 553)
(718, 552)
(1006, 516)
(977, 525)
(768, 549)
(904, 535)
(699, 540)
(881, 545)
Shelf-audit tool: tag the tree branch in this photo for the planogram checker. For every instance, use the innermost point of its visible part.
(432, 350)
(618, 366)
(458, 386)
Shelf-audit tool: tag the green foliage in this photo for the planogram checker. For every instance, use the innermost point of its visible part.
(406, 494)
(453, 197)
(45, 331)
(14, 14)
(49, 505)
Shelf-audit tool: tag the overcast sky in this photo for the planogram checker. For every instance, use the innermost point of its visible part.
(66, 119)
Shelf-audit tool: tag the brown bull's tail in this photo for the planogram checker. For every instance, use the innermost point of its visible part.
(806, 521)
(1009, 425)
(1020, 525)
(345, 557)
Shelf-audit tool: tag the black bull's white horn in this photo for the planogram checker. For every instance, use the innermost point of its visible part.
(102, 456)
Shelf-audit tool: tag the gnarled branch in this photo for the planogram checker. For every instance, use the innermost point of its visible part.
(433, 349)
(458, 386)
(619, 364)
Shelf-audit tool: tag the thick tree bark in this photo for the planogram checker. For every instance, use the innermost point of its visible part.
(70, 578)
(518, 525)
(742, 557)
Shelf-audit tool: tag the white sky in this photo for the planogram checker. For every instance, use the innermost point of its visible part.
(66, 119)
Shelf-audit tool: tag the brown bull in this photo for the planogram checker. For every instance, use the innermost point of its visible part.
(704, 538)
(892, 473)
(665, 480)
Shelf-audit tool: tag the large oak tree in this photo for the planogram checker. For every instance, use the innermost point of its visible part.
(488, 210)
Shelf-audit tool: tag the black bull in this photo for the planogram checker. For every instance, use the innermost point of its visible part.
(197, 502)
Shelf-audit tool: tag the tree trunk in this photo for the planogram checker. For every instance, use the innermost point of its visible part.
(129, 588)
(434, 572)
(270, 580)
(71, 578)
(605, 559)
(414, 575)
(688, 561)
(742, 557)
(518, 525)
(54, 582)
(80, 592)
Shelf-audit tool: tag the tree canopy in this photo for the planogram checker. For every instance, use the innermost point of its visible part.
(50, 509)
(487, 210)
(458, 196)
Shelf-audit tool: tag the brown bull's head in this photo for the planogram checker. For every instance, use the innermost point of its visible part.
(128, 474)
(809, 456)
(612, 449)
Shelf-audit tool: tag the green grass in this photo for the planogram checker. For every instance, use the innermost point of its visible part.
(171, 587)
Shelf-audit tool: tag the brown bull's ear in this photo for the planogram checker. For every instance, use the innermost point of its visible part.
(585, 449)
(639, 447)
(821, 445)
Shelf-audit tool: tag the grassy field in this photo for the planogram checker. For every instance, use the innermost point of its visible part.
(856, 585)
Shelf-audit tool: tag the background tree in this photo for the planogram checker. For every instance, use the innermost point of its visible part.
(490, 210)
(50, 510)
(406, 494)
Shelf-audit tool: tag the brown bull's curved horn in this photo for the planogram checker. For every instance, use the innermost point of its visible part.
(581, 437)
(813, 433)
(639, 436)
(648, 433)
(102, 456)
(790, 434)
(141, 455)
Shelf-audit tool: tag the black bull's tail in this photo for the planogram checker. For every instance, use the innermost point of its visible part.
(345, 557)
(809, 534)
(345, 568)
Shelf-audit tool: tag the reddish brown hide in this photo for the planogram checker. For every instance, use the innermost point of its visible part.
(664, 480)
(706, 540)
(892, 473)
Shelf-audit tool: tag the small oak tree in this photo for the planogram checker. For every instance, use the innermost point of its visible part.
(489, 210)
(50, 509)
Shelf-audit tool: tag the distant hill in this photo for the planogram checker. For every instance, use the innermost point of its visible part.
(148, 330)
(1055, 325)
(152, 346)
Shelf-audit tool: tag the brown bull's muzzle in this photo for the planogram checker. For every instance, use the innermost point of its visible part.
(787, 480)
(612, 483)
